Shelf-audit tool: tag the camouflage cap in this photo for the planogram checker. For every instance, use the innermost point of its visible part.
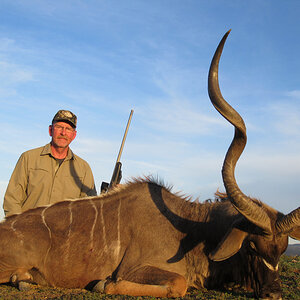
(65, 116)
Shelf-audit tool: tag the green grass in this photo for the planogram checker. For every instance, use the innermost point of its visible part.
(289, 274)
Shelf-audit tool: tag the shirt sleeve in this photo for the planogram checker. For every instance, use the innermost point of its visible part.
(15, 193)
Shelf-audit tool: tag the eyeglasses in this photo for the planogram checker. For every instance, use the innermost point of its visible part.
(61, 128)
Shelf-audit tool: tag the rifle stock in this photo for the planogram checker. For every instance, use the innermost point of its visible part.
(117, 175)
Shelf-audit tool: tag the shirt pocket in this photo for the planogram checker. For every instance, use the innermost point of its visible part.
(38, 179)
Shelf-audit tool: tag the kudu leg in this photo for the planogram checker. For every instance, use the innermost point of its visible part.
(147, 281)
(23, 279)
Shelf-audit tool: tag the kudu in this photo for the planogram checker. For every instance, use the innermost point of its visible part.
(141, 239)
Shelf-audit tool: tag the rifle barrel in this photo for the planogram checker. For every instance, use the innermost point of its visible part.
(125, 135)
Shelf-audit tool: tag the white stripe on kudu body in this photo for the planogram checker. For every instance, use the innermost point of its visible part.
(94, 224)
(68, 242)
(105, 248)
(50, 235)
(17, 232)
(114, 246)
(118, 246)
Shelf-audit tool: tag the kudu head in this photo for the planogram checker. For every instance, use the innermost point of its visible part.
(261, 233)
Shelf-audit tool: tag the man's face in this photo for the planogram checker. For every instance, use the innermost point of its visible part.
(62, 134)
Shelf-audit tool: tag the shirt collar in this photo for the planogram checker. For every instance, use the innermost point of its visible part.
(47, 151)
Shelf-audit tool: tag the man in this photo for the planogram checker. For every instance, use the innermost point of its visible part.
(49, 174)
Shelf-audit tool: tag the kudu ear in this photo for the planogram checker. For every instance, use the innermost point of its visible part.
(230, 245)
(295, 233)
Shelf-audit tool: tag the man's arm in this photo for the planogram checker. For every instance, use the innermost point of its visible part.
(16, 190)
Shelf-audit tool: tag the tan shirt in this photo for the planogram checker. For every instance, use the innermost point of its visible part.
(39, 180)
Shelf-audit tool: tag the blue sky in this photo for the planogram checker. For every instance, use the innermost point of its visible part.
(100, 59)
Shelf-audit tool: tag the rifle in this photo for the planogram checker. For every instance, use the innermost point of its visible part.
(117, 173)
